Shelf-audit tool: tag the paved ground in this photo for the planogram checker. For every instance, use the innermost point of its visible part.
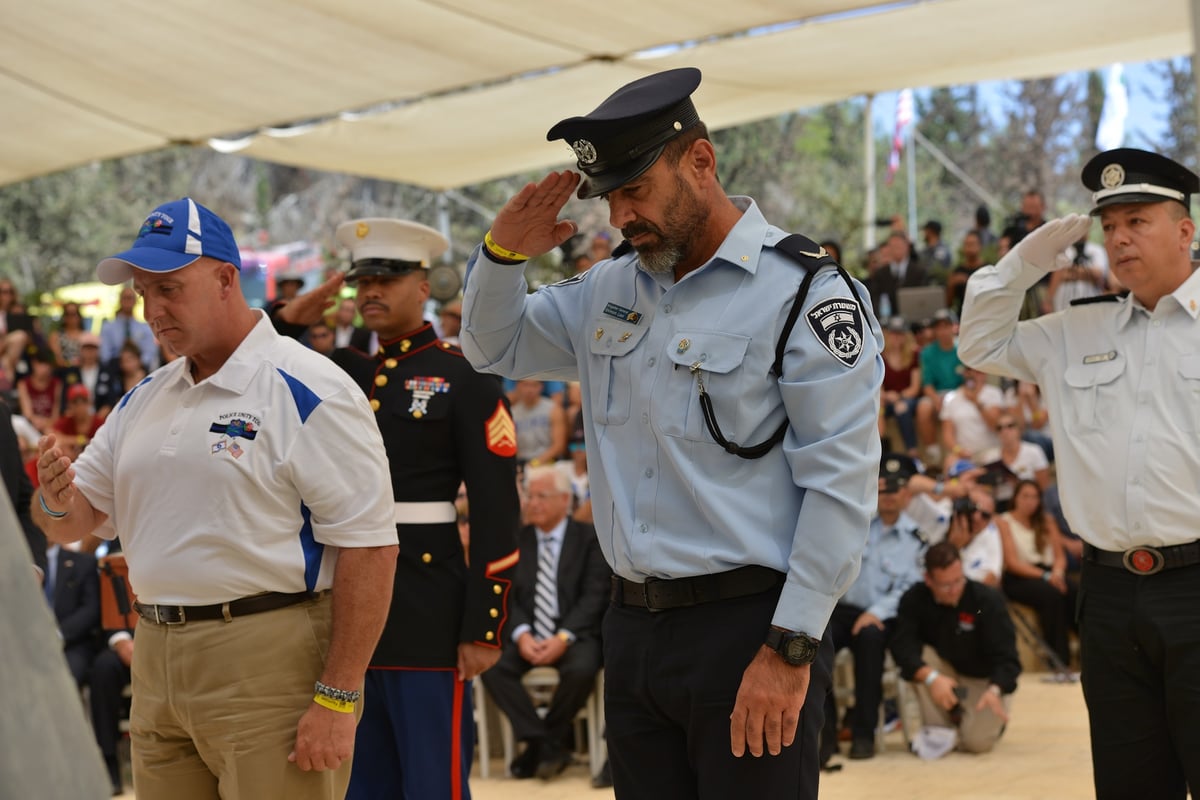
(1044, 754)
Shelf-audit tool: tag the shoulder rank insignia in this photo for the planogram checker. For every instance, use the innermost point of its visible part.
(501, 432)
(1100, 298)
(838, 325)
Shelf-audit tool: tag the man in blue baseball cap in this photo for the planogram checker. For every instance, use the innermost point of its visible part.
(731, 375)
(248, 482)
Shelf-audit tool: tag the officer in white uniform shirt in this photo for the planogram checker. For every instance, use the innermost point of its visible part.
(1121, 378)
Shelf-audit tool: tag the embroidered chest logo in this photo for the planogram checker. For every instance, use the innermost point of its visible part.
(966, 621)
(838, 326)
(422, 390)
(232, 427)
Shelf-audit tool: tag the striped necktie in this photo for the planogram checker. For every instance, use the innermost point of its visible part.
(545, 600)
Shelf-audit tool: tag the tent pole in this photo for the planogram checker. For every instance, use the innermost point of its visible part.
(869, 174)
(1195, 4)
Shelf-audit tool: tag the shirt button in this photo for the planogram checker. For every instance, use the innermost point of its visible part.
(489, 636)
(426, 557)
(650, 362)
(1157, 323)
(381, 380)
(174, 430)
(646, 418)
(645, 527)
(649, 473)
(667, 308)
(1137, 526)
(493, 613)
(497, 589)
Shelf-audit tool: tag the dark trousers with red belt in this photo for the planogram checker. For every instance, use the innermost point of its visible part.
(1140, 647)
(671, 678)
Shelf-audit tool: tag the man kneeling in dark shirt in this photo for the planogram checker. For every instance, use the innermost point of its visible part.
(955, 641)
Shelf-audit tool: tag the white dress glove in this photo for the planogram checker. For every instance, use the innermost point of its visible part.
(1045, 247)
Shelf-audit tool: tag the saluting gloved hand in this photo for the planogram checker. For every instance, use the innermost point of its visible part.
(1045, 247)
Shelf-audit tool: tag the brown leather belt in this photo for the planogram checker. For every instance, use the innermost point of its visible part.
(658, 594)
(1146, 560)
(177, 615)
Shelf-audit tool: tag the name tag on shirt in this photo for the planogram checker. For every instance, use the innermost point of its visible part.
(1100, 357)
(622, 313)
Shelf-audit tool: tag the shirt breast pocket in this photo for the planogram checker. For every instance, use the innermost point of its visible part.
(716, 357)
(1189, 374)
(611, 368)
(1092, 399)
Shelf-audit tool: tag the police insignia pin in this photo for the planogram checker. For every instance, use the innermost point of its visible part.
(585, 151)
(838, 326)
(1112, 176)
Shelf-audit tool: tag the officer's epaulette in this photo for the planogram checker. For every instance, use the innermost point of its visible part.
(1115, 297)
(805, 252)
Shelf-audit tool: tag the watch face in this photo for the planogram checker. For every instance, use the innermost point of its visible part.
(801, 650)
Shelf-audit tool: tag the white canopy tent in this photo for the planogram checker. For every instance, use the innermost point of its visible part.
(445, 93)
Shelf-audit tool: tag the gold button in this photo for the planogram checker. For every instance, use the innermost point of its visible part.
(391, 363)
(374, 404)
(426, 557)
(405, 345)
(496, 588)
(490, 636)
(494, 613)
(381, 380)
(417, 414)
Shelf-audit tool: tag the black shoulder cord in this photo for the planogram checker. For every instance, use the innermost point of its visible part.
(814, 259)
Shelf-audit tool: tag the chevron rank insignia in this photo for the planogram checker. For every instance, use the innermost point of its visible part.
(501, 433)
(838, 325)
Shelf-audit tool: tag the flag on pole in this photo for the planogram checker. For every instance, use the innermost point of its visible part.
(1110, 133)
(904, 118)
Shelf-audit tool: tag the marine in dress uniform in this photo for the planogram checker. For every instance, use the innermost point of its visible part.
(442, 423)
(730, 388)
(1120, 376)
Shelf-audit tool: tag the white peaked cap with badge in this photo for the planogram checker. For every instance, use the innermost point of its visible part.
(389, 247)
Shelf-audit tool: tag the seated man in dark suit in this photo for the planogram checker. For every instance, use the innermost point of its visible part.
(72, 587)
(560, 591)
(110, 671)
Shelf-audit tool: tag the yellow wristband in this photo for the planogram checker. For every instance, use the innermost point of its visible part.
(341, 706)
(502, 252)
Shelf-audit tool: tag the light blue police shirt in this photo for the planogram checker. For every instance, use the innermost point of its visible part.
(668, 501)
(891, 564)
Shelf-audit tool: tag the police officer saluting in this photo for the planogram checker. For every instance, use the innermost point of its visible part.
(1120, 378)
(442, 423)
(730, 378)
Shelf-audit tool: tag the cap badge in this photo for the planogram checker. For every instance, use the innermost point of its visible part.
(1112, 176)
(361, 230)
(585, 151)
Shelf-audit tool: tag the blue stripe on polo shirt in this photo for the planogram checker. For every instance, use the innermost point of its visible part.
(306, 399)
(129, 394)
(313, 550)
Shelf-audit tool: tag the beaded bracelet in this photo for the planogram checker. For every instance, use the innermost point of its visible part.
(341, 695)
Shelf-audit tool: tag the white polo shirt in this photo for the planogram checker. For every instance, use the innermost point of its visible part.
(247, 482)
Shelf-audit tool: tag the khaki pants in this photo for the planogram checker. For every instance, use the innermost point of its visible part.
(979, 730)
(216, 704)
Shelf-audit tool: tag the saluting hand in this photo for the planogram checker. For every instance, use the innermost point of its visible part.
(1045, 246)
(768, 705)
(529, 224)
(308, 308)
(55, 475)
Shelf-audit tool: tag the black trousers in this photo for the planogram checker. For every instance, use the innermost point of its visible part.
(869, 647)
(671, 679)
(108, 680)
(1140, 645)
(1054, 609)
(576, 678)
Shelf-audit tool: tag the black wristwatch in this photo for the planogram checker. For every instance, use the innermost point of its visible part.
(797, 649)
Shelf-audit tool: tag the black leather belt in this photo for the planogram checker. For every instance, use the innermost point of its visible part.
(177, 615)
(658, 594)
(1146, 560)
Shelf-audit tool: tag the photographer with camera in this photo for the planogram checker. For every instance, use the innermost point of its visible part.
(973, 531)
(955, 641)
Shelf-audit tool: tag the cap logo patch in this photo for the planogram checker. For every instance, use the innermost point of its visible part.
(1112, 176)
(157, 222)
(362, 230)
(838, 326)
(585, 151)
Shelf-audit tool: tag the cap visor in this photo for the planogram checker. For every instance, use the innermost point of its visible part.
(119, 268)
(1130, 199)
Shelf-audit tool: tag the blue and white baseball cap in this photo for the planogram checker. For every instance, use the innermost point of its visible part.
(175, 235)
